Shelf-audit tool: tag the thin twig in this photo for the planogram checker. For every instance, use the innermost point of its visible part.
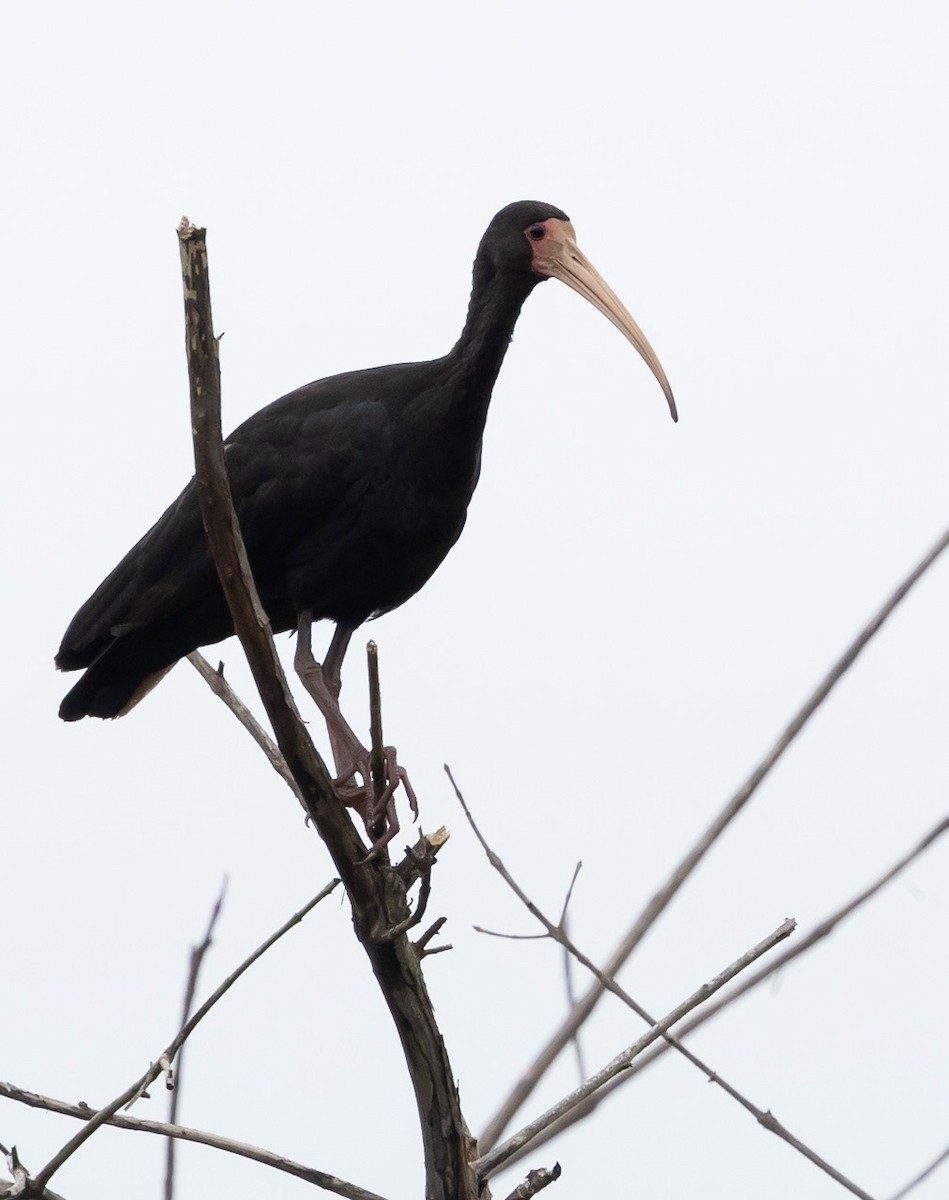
(664, 895)
(429, 933)
(267, 1158)
(924, 1174)
(377, 758)
(764, 1117)
(489, 1163)
(569, 896)
(800, 946)
(511, 937)
(196, 958)
(95, 1120)
(554, 931)
(568, 969)
(221, 688)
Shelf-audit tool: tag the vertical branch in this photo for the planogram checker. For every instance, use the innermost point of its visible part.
(194, 967)
(377, 893)
(220, 521)
(377, 763)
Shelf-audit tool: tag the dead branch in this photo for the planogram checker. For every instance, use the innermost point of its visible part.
(196, 958)
(922, 1176)
(375, 890)
(691, 860)
(166, 1058)
(376, 742)
(329, 1183)
(221, 688)
(801, 945)
(559, 934)
(489, 1163)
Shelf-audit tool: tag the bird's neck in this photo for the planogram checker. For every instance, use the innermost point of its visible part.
(449, 416)
(495, 305)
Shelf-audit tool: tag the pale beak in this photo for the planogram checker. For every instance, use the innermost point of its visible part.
(559, 257)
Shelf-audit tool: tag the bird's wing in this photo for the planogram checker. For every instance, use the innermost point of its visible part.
(296, 467)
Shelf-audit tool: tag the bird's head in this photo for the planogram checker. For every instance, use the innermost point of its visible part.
(536, 241)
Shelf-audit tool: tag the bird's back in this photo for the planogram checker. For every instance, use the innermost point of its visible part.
(348, 494)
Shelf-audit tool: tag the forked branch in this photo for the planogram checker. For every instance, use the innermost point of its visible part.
(749, 981)
(164, 1060)
(703, 844)
(491, 1162)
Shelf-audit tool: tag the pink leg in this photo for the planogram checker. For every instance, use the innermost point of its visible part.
(353, 781)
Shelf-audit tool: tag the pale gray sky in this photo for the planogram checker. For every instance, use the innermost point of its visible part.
(631, 616)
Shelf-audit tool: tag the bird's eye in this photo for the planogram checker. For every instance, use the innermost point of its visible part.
(536, 231)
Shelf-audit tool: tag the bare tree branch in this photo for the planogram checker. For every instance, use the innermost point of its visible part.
(99, 1118)
(330, 1183)
(511, 937)
(221, 688)
(923, 1175)
(568, 959)
(800, 946)
(662, 898)
(376, 743)
(559, 934)
(489, 1163)
(196, 958)
(375, 890)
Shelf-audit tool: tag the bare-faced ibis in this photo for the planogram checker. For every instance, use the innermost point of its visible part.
(350, 492)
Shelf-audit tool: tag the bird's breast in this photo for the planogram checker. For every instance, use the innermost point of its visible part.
(387, 540)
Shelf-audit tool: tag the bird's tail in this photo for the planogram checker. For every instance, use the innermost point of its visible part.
(119, 678)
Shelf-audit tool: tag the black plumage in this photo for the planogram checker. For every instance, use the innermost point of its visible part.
(350, 491)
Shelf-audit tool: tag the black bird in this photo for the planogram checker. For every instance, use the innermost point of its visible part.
(350, 491)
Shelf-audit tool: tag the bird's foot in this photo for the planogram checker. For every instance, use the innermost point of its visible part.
(357, 790)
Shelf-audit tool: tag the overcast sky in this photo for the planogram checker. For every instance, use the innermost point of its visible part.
(635, 610)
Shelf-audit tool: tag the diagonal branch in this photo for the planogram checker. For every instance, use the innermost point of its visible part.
(164, 1060)
(221, 688)
(691, 860)
(491, 1162)
(801, 945)
(559, 934)
(322, 1179)
(922, 1176)
(230, 559)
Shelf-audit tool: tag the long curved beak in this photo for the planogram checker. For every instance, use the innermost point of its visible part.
(559, 257)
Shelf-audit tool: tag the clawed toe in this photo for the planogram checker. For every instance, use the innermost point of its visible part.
(355, 789)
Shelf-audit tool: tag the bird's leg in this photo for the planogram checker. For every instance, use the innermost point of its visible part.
(333, 662)
(380, 803)
(323, 683)
(351, 758)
